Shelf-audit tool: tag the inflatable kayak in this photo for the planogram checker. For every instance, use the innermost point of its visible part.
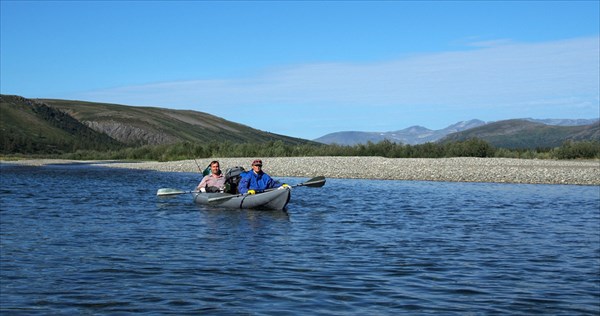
(271, 200)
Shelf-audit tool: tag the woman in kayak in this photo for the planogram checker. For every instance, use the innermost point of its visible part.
(257, 180)
(214, 182)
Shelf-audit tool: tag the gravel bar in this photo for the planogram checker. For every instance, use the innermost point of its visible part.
(463, 169)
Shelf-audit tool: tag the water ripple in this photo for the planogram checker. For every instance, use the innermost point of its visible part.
(86, 240)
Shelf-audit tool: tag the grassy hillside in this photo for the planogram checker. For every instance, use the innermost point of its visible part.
(31, 127)
(47, 126)
(526, 134)
(157, 126)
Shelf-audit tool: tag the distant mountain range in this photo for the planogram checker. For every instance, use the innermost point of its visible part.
(411, 135)
(418, 134)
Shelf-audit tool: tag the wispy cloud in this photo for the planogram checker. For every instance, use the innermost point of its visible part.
(492, 76)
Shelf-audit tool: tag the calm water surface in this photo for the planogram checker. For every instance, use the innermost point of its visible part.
(88, 240)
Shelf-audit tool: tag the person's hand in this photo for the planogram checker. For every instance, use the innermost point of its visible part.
(284, 186)
(251, 192)
(203, 190)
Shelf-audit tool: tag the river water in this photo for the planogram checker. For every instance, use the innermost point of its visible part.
(77, 239)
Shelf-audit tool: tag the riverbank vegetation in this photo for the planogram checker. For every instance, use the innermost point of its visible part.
(468, 148)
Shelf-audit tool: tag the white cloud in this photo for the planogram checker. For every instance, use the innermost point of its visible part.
(495, 76)
(498, 73)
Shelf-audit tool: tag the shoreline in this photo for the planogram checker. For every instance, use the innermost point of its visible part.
(461, 169)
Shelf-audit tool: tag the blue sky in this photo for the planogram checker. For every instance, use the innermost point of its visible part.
(306, 69)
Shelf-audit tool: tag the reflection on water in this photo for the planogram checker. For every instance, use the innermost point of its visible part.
(81, 239)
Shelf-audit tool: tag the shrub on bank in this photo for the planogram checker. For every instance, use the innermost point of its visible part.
(578, 150)
(386, 148)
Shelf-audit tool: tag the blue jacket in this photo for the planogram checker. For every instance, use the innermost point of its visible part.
(258, 182)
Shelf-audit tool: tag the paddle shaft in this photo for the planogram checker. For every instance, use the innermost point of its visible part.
(197, 165)
(169, 192)
(314, 182)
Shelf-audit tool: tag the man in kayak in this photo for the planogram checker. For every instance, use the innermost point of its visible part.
(257, 180)
(214, 182)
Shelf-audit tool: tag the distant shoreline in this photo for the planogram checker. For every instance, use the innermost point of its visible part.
(464, 169)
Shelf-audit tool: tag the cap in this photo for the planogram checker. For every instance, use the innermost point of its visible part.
(257, 162)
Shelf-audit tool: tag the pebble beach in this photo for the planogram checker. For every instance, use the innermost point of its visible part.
(463, 169)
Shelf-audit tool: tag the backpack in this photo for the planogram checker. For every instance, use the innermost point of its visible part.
(206, 171)
(232, 179)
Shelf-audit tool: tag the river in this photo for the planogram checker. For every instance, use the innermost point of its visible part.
(77, 239)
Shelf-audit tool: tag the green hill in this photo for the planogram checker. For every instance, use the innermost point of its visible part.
(31, 127)
(526, 134)
(157, 126)
(45, 126)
